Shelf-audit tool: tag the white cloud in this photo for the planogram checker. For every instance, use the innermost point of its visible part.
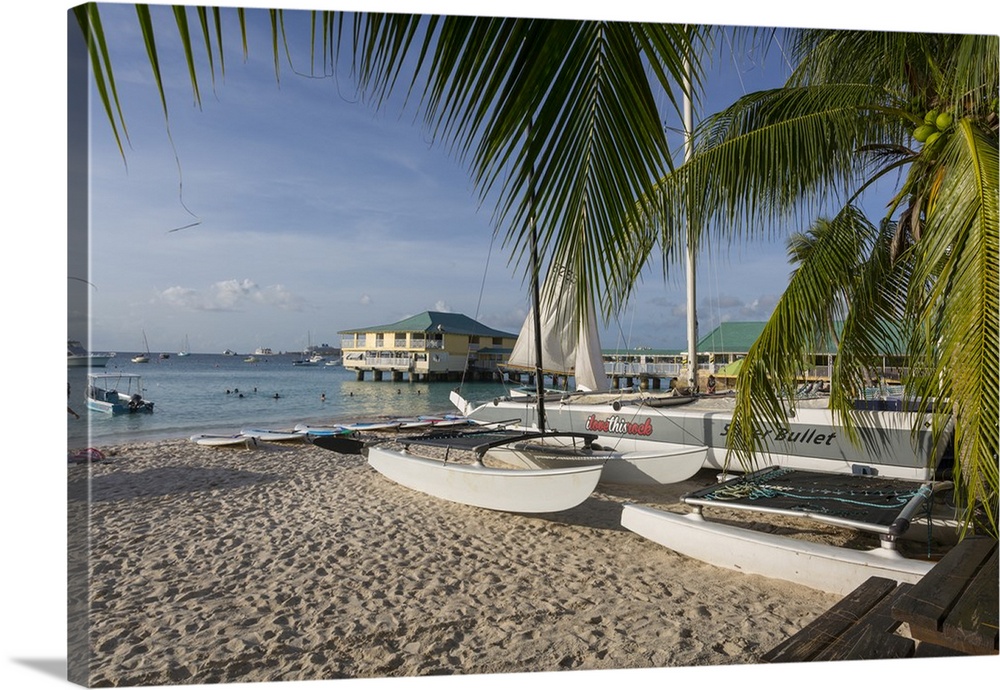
(232, 295)
(228, 294)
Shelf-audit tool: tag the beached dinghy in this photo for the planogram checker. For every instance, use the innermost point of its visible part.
(276, 435)
(224, 440)
(536, 489)
(883, 506)
(387, 425)
(347, 442)
(335, 430)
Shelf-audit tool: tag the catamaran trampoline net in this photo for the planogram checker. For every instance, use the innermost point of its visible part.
(867, 502)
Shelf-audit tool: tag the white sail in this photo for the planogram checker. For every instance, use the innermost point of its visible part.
(589, 368)
(568, 347)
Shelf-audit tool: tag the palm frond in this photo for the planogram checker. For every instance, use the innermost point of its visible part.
(955, 296)
(581, 87)
(815, 299)
(89, 19)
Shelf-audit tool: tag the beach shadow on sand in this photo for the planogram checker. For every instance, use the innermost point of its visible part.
(596, 512)
(603, 509)
(163, 481)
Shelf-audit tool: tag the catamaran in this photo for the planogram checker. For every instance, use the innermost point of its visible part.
(691, 430)
(496, 466)
(635, 454)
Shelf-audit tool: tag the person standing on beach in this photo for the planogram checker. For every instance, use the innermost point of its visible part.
(69, 389)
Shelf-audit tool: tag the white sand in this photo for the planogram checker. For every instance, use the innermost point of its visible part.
(290, 562)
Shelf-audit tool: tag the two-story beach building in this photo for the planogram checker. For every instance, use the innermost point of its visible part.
(431, 346)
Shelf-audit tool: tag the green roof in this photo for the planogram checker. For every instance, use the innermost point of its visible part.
(738, 336)
(435, 322)
(732, 336)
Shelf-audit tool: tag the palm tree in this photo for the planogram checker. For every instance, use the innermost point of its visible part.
(861, 108)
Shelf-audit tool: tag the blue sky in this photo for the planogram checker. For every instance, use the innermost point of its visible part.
(315, 214)
(304, 212)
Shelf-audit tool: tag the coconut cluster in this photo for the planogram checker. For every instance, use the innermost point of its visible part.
(935, 125)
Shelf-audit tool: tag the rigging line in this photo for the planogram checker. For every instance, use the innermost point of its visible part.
(713, 264)
(479, 303)
(784, 55)
(732, 56)
(180, 184)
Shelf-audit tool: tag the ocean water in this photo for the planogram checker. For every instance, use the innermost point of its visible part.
(214, 393)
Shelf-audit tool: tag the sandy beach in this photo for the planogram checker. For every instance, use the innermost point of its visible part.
(290, 562)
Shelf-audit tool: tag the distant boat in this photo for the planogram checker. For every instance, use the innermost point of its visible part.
(229, 353)
(77, 356)
(142, 358)
(311, 362)
(164, 355)
(187, 349)
(251, 359)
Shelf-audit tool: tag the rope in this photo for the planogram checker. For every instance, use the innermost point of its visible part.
(763, 488)
(479, 305)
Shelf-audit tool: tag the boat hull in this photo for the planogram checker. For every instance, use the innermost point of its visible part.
(120, 406)
(820, 566)
(276, 436)
(339, 443)
(632, 462)
(221, 440)
(813, 439)
(88, 360)
(510, 490)
(651, 467)
(79, 357)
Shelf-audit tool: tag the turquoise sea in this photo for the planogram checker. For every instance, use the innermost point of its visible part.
(214, 393)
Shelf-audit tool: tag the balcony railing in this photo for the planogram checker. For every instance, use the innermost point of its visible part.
(397, 344)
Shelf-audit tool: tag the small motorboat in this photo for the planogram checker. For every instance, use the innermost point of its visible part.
(116, 394)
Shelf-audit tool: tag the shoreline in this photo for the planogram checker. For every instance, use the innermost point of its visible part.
(290, 562)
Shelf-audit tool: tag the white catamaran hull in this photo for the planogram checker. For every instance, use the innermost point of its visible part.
(820, 566)
(632, 462)
(813, 439)
(511, 490)
(667, 465)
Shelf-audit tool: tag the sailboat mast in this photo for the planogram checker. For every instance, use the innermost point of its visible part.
(692, 314)
(536, 298)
